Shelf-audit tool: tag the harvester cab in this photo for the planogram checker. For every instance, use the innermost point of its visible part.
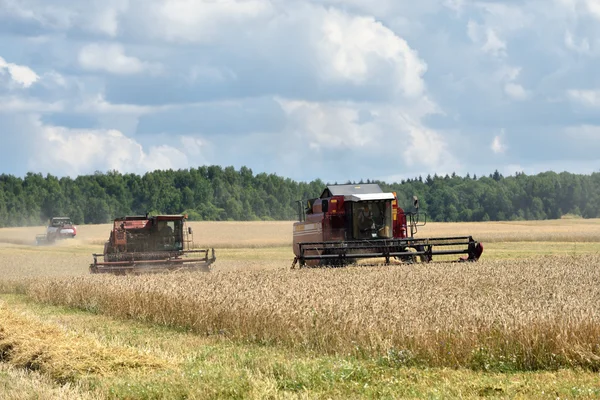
(143, 243)
(351, 222)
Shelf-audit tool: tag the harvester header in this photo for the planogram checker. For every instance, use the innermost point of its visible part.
(350, 222)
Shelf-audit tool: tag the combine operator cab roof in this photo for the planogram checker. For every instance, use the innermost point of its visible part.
(361, 192)
(157, 217)
(142, 222)
(58, 221)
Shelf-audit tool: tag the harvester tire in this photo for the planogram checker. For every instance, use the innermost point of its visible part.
(412, 259)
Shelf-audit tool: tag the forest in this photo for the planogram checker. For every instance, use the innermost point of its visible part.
(223, 193)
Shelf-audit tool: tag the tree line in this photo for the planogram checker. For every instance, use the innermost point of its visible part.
(216, 193)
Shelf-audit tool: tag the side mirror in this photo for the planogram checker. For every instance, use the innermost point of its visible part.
(324, 206)
(190, 230)
(416, 202)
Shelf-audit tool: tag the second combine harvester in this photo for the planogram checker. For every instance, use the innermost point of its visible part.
(150, 243)
(350, 222)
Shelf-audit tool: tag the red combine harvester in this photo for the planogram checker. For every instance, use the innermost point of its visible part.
(351, 222)
(143, 243)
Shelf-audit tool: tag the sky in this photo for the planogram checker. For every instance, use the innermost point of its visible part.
(332, 89)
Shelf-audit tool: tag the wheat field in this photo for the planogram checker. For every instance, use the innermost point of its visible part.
(525, 314)
(530, 303)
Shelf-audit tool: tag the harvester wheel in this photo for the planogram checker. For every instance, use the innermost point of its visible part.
(411, 259)
(424, 258)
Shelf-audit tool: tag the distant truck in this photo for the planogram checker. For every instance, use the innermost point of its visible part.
(58, 228)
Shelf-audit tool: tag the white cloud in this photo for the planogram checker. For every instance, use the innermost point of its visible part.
(192, 145)
(515, 91)
(493, 44)
(508, 73)
(474, 31)
(506, 18)
(427, 148)
(593, 7)
(344, 47)
(356, 48)
(111, 57)
(498, 146)
(590, 98)
(21, 74)
(99, 105)
(105, 17)
(14, 104)
(324, 126)
(487, 39)
(507, 76)
(583, 47)
(51, 16)
(164, 157)
(54, 77)
(203, 21)
(456, 5)
(80, 151)
(95, 16)
(370, 130)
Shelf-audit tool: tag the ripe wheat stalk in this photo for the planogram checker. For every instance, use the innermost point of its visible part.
(530, 314)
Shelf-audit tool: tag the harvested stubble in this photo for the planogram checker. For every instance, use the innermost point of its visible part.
(20, 384)
(532, 314)
(26, 342)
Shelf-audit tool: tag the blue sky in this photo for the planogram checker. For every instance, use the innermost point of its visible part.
(332, 89)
